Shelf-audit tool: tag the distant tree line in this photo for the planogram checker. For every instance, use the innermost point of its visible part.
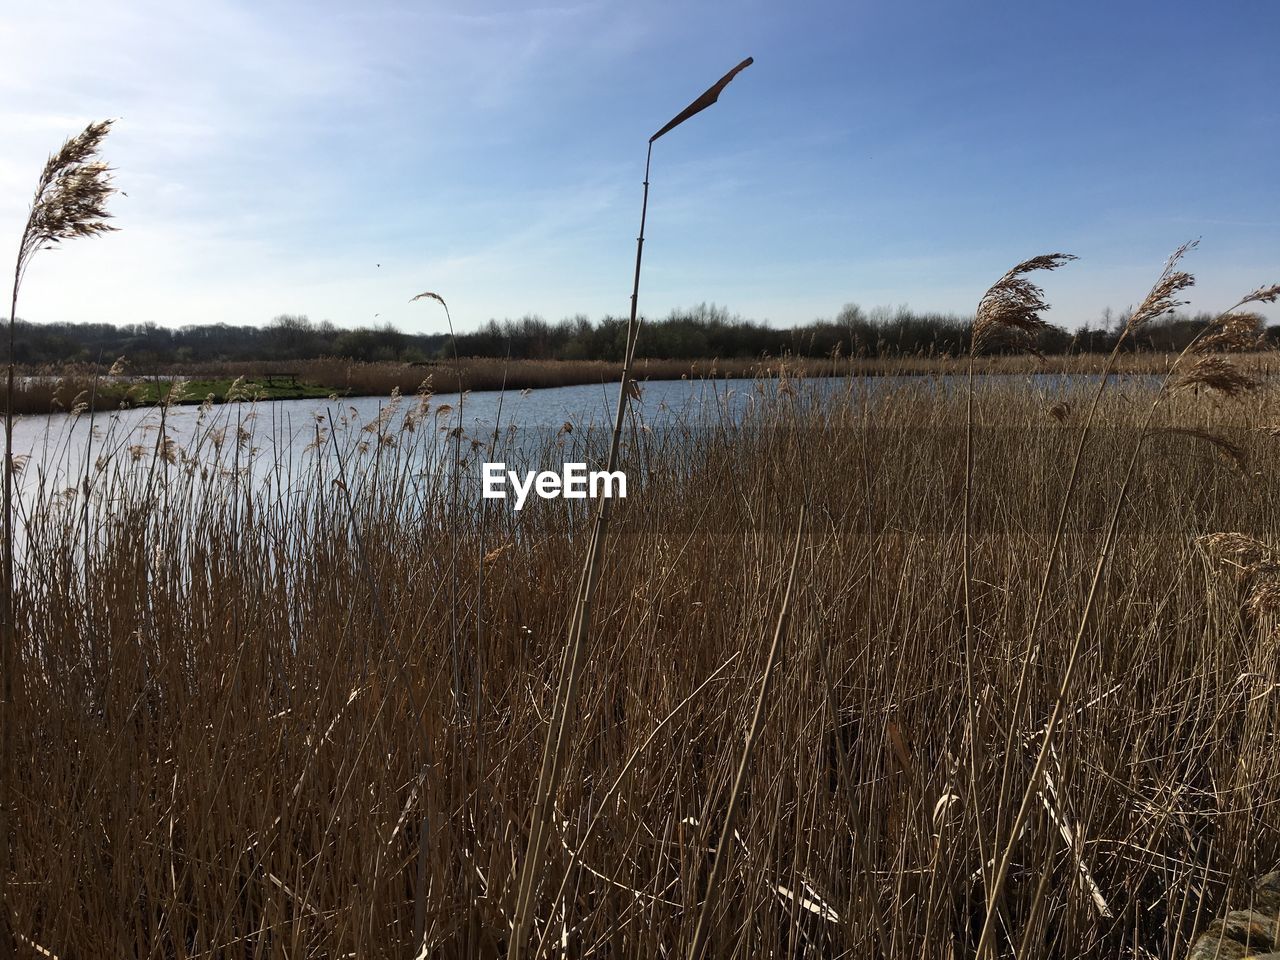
(704, 332)
(287, 337)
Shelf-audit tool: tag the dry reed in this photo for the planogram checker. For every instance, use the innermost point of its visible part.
(224, 748)
(69, 202)
(240, 727)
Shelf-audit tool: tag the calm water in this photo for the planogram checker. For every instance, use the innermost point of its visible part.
(281, 431)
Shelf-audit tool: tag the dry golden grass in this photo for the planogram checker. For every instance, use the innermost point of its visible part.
(69, 202)
(269, 702)
(239, 732)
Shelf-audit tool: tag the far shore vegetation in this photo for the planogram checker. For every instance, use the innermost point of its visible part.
(699, 333)
(65, 365)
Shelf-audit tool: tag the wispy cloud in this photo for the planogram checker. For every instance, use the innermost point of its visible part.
(275, 153)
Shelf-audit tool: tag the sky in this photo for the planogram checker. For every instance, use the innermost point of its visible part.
(335, 159)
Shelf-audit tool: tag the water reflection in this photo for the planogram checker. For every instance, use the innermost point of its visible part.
(272, 441)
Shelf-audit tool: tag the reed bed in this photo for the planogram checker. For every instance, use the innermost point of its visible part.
(58, 388)
(264, 706)
(492, 373)
(270, 699)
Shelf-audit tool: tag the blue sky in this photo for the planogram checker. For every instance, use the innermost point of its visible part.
(275, 153)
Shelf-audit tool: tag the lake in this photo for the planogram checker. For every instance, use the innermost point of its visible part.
(285, 432)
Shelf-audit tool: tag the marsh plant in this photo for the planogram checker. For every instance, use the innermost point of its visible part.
(238, 730)
(933, 668)
(70, 201)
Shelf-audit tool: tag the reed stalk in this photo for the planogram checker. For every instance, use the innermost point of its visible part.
(570, 675)
(1170, 283)
(70, 201)
(702, 932)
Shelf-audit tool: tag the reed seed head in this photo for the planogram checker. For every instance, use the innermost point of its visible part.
(1263, 295)
(1162, 299)
(1013, 304)
(1222, 445)
(1234, 332)
(1217, 373)
(428, 295)
(1264, 598)
(71, 198)
(497, 552)
(1248, 554)
(1163, 296)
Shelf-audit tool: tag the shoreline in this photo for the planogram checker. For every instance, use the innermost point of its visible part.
(56, 390)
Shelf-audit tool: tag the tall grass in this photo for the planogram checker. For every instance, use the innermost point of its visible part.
(235, 729)
(1228, 332)
(69, 202)
(568, 685)
(263, 701)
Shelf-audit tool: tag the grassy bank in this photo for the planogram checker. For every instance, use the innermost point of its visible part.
(62, 388)
(255, 724)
